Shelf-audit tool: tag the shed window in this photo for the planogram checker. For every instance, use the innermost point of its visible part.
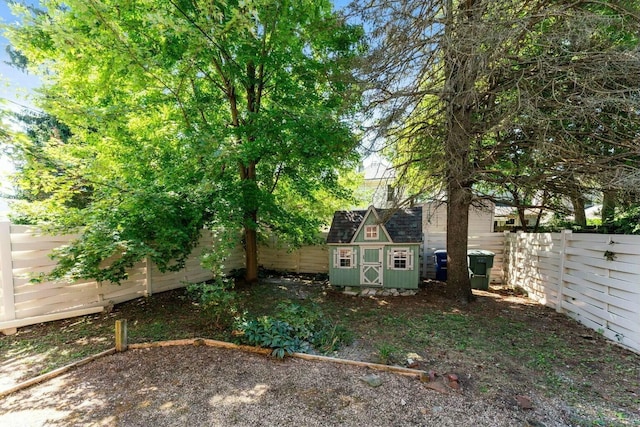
(344, 258)
(400, 259)
(371, 232)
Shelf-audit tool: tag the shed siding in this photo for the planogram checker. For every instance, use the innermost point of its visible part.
(344, 276)
(434, 218)
(402, 279)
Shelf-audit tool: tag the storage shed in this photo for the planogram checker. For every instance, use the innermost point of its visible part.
(376, 248)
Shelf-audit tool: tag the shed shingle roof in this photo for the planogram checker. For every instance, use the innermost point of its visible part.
(403, 225)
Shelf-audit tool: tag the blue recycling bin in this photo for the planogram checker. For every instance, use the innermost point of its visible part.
(440, 259)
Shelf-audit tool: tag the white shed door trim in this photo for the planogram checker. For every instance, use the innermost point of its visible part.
(371, 265)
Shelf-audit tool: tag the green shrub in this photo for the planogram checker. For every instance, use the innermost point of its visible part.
(276, 334)
(218, 301)
(627, 222)
(387, 353)
(295, 328)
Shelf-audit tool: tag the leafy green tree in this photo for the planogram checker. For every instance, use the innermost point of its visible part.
(191, 113)
(455, 81)
(31, 154)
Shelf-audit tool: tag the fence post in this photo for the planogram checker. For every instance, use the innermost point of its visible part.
(149, 281)
(506, 258)
(6, 275)
(564, 238)
(121, 335)
(519, 267)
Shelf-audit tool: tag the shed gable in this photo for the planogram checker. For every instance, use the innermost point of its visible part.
(371, 229)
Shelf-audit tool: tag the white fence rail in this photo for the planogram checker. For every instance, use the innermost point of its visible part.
(592, 278)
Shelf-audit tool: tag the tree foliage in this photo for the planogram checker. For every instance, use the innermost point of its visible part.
(190, 113)
(33, 153)
(490, 97)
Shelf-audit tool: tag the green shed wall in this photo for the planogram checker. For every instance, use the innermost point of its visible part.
(399, 279)
(344, 276)
(402, 279)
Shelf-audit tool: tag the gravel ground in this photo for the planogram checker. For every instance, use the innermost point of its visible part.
(205, 386)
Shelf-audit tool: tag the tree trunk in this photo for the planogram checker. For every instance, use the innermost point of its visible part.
(579, 216)
(459, 196)
(608, 207)
(254, 93)
(524, 226)
(458, 282)
(250, 217)
(251, 249)
(458, 99)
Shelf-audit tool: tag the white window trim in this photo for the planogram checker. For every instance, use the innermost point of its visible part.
(337, 258)
(391, 258)
(372, 227)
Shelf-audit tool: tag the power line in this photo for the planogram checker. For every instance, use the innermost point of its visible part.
(23, 106)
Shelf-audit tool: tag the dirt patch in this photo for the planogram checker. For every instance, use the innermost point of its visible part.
(208, 386)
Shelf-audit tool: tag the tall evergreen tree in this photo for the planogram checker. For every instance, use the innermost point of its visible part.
(455, 85)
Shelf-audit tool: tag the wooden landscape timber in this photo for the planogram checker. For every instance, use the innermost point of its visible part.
(54, 373)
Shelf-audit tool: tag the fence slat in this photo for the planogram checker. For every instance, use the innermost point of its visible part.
(6, 274)
(565, 236)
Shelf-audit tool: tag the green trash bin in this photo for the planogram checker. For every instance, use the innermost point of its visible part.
(480, 263)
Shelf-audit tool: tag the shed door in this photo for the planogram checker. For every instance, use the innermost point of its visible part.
(371, 266)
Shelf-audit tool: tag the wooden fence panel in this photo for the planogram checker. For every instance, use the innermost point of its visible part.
(533, 263)
(7, 303)
(24, 254)
(276, 255)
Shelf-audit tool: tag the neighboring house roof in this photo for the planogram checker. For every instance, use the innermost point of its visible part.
(512, 212)
(503, 211)
(403, 225)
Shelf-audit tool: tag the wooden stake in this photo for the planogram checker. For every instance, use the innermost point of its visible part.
(121, 335)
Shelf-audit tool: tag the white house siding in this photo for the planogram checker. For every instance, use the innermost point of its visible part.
(434, 227)
(434, 218)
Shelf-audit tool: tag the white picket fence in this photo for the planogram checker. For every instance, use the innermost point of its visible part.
(592, 278)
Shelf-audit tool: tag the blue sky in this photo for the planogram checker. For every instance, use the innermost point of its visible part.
(15, 87)
(14, 84)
